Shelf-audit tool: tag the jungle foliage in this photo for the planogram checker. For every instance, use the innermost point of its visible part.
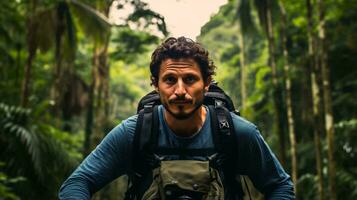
(221, 36)
(55, 46)
(68, 76)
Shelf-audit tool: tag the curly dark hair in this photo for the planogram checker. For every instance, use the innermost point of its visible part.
(181, 47)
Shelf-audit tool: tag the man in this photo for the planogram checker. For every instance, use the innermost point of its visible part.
(181, 73)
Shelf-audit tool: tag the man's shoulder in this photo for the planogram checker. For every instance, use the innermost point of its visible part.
(125, 128)
(247, 133)
(130, 123)
(243, 127)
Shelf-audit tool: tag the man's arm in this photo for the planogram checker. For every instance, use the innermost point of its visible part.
(108, 161)
(256, 160)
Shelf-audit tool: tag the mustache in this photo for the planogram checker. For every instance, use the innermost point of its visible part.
(180, 100)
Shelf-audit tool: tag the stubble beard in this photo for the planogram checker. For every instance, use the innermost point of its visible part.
(181, 115)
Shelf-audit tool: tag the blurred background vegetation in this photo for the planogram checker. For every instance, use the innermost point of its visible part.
(68, 76)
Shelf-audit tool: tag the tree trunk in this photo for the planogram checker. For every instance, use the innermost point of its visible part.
(32, 27)
(243, 70)
(315, 99)
(106, 88)
(276, 85)
(106, 83)
(27, 79)
(57, 88)
(18, 65)
(102, 107)
(291, 126)
(89, 121)
(106, 98)
(91, 108)
(101, 90)
(329, 121)
(100, 84)
(98, 98)
(57, 95)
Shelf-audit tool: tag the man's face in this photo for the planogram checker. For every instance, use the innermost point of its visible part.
(181, 87)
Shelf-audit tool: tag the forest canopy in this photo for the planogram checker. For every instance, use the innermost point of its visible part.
(68, 76)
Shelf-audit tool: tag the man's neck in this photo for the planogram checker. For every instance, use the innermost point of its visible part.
(186, 127)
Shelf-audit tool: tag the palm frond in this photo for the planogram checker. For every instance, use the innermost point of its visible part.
(150, 17)
(130, 44)
(92, 22)
(71, 29)
(261, 7)
(66, 40)
(46, 23)
(243, 14)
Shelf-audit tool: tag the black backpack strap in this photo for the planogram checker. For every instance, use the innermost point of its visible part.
(226, 145)
(143, 147)
(215, 94)
(151, 98)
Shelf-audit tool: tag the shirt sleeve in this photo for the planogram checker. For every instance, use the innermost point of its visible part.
(258, 162)
(104, 164)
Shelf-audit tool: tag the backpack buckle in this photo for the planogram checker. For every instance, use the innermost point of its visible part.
(218, 103)
(223, 124)
(148, 108)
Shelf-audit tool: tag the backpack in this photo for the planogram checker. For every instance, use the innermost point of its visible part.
(148, 167)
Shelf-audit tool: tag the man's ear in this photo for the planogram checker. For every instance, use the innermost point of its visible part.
(208, 83)
(154, 83)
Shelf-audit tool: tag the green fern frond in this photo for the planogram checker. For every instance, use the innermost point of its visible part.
(33, 149)
(19, 134)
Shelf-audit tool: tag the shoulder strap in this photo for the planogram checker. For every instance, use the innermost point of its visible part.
(226, 145)
(144, 144)
(216, 94)
(151, 98)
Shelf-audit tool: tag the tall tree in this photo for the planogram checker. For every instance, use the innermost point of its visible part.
(243, 69)
(289, 107)
(65, 86)
(99, 89)
(329, 119)
(32, 28)
(315, 96)
(57, 19)
(265, 9)
(98, 106)
(65, 47)
(245, 26)
(267, 17)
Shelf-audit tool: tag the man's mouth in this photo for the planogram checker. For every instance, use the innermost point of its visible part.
(181, 102)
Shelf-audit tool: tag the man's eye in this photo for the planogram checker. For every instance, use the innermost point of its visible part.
(190, 79)
(170, 80)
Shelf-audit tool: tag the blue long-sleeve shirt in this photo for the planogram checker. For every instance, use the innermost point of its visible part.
(112, 157)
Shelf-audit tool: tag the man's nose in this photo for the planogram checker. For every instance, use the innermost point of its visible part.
(180, 89)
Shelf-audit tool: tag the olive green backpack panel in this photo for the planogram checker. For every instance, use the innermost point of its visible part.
(193, 176)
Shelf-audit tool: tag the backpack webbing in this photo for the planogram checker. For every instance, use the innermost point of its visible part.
(145, 147)
(226, 146)
(144, 144)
